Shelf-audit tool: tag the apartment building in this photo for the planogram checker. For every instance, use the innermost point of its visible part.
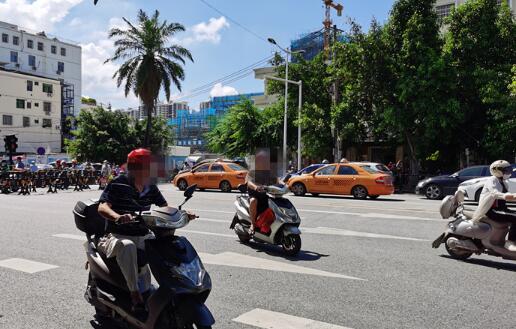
(40, 54)
(30, 108)
(164, 110)
(444, 8)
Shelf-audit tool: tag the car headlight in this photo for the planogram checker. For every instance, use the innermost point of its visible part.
(423, 182)
(194, 271)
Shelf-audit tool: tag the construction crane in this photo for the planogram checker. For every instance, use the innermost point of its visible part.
(329, 4)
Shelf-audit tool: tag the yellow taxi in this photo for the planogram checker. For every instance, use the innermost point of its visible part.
(356, 179)
(225, 176)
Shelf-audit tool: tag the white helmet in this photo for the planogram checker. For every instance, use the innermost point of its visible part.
(325, 161)
(501, 169)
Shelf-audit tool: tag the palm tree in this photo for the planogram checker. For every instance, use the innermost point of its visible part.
(150, 64)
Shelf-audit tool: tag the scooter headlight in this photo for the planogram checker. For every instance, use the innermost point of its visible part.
(194, 271)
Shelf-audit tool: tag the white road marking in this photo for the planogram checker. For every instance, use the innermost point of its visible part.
(338, 231)
(370, 215)
(214, 220)
(25, 265)
(70, 236)
(209, 233)
(244, 261)
(274, 320)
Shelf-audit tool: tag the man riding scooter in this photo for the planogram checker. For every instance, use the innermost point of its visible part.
(494, 197)
(123, 196)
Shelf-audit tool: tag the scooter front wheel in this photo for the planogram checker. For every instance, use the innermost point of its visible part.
(456, 253)
(291, 244)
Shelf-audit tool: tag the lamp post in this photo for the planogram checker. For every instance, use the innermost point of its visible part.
(287, 53)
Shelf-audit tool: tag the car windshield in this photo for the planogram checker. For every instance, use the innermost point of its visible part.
(236, 167)
(310, 169)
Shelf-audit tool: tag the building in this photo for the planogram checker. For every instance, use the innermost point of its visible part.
(444, 8)
(311, 44)
(43, 55)
(164, 110)
(30, 108)
(191, 126)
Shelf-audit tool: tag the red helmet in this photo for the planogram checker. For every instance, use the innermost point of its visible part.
(58, 161)
(139, 156)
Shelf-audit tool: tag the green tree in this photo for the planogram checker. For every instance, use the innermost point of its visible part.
(237, 133)
(481, 41)
(150, 64)
(106, 135)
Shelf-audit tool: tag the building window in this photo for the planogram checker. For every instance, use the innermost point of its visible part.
(29, 85)
(47, 107)
(30, 44)
(40, 46)
(36, 104)
(53, 49)
(36, 121)
(29, 105)
(47, 123)
(20, 103)
(32, 60)
(7, 120)
(47, 88)
(26, 121)
(444, 10)
(5, 37)
(60, 67)
(63, 51)
(16, 40)
(14, 57)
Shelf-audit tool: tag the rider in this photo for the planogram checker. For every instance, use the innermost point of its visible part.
(325, 162)
(123, 196)
(494, 197)
(256, 181)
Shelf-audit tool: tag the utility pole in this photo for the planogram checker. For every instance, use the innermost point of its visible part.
(328, 42)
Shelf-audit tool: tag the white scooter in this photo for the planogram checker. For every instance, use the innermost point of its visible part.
(463, 237)
(284, 230)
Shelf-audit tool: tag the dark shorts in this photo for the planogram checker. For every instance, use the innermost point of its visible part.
(263, 200)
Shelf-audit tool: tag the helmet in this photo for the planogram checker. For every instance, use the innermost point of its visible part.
(501, 169)
(325, 161)
(58, 161)
(139, 156)
(74, 161)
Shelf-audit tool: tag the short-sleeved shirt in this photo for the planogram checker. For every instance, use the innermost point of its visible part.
(125, 198)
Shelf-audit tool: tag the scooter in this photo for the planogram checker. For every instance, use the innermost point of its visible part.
(463, 237)
(284, 230)
(184, 284)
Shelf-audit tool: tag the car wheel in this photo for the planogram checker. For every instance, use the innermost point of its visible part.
(477, 195)
(225, 186)
(182, 185)
(299, 189)
(433, 192)
(359, 192)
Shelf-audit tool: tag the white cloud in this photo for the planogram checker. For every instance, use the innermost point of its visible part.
(39, 15)
(206, 31)
(76, 21)
(219, 90)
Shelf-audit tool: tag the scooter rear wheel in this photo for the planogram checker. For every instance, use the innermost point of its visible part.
(456, 253)
(291, 244)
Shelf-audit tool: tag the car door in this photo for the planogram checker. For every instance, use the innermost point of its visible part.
(215, 175)
(344, 180)
(322, 180)
(199, 175)
(462, 176)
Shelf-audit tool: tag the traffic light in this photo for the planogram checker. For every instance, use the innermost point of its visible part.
(11, 144)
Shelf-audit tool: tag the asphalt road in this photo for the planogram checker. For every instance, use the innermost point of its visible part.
(385, 243)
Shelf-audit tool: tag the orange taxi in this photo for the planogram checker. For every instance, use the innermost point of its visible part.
(357, 179)
(225, 176)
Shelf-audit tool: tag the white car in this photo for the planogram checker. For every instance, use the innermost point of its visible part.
(473, 187)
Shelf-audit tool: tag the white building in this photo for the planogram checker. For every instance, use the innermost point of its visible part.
(30, 108)
(164, 110)
(36, 53)
(444, 8)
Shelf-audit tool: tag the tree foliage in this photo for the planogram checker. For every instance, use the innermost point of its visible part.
(106, 135)
(150, 64)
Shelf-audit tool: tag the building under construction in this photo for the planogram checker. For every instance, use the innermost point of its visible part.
(312, 44)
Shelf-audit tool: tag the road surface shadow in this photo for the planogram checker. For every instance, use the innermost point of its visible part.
(272, 250)
(348, 198)
(488, 263)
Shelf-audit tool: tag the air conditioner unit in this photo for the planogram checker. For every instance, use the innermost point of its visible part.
(34, 68)
(58, 72)
(17, 65)
(49, 94)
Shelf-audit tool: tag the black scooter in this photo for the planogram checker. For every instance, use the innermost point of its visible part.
(184, 284)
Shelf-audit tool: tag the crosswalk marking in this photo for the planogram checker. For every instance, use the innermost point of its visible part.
(244, 261)
(274, 320)
(70, 236)
(25, 265)
(370, 215)
(338, 231)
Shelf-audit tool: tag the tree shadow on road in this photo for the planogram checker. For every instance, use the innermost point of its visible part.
(488, 263)
(304, 255)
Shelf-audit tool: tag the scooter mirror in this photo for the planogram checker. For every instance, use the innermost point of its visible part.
(190, 191)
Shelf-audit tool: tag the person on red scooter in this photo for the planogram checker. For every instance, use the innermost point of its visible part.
(494, 197)
(260, 176)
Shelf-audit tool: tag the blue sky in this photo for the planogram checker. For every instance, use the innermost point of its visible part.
(219, 46)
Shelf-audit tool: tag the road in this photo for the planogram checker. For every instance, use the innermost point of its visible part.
(364, 264)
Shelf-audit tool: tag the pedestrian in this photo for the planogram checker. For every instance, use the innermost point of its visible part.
(33, 167)
(19, 164)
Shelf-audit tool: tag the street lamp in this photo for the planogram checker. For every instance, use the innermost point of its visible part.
(287, 53)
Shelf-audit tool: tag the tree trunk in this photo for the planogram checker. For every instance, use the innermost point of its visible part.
(149, 106)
